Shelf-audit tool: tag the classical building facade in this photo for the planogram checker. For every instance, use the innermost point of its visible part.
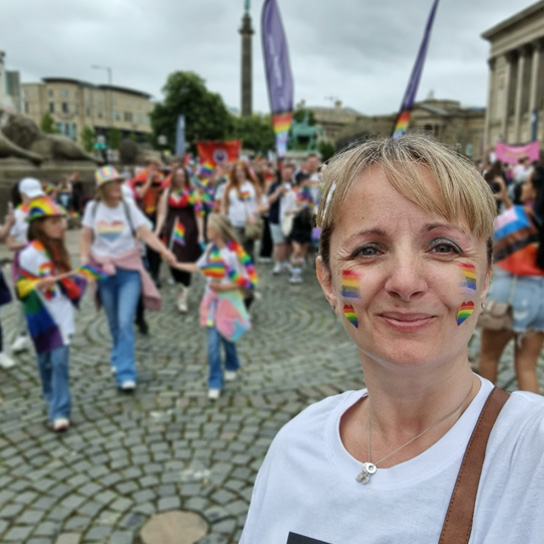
(10, 88)
(333, 120)
(74, 104)
(515, 104)
(445, 120)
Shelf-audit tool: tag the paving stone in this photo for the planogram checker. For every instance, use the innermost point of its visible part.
(168, 503)
(17, 534)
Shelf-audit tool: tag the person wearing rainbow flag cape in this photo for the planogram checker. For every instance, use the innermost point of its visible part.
(48, 296)
(230, 274)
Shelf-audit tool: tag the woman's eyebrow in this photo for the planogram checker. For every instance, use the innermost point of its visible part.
(376, 231)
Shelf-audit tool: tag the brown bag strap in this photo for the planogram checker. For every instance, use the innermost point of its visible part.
(458, 523)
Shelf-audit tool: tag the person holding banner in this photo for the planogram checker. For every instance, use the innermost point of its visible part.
(112, 228)
(180, 213)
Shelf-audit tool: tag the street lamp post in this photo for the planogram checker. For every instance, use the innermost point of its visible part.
(109, 70)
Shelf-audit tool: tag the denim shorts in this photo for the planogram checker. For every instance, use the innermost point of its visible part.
(526, 294)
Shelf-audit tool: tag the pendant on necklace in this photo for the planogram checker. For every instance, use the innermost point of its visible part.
(367, 471)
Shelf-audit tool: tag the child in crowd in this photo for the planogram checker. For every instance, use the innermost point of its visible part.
(48, 295)
(230, 273)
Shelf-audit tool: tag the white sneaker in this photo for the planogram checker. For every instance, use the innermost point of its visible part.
(277, 268)
(293, 280)
(128, 385)
(213, 394)
(60, 424)
(182, 301)
(230, 375)
(21, 344)
(6, 361)
(264, 260)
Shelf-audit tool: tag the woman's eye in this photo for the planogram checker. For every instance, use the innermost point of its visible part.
(368, 251)
(445, 247)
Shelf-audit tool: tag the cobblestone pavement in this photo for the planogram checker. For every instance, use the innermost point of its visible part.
(167, 447)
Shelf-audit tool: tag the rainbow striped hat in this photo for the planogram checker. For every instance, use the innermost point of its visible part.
(44, 207)
(105, 174)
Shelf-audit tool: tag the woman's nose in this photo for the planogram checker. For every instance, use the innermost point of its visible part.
(405, 278)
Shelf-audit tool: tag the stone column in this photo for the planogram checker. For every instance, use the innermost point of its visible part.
(535, 78)
(522, 64)
(506, 112)
(247, 78)
(488, 111)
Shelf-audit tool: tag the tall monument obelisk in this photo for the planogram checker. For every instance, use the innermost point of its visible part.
(247, 76)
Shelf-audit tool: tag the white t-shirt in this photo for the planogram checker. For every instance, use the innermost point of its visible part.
(307, 486)
(315, 188)
(19, 229)
(240, 209)
(112, 234)
(58, 305)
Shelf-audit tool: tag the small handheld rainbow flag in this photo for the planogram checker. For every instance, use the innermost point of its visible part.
(206, 169)
(178, 233)
(216, 270)
(91, 272)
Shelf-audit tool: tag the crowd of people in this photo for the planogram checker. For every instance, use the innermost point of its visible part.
(194, 218)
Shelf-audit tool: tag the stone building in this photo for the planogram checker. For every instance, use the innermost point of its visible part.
(516, 78)
(74, 104)
(10, 88)
(445, 120)
(334, 119)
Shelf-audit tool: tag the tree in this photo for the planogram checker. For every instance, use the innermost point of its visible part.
(326, 149)
(88, 137)
(114, 138)
(255, 132)
(206, 117)
(48, 124)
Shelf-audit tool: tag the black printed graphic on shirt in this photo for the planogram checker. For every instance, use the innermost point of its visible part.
(295, 538)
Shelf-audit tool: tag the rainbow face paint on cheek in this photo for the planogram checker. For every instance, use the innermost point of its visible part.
(351, 316)
(465, 311)
(468, 283)
(350, 285)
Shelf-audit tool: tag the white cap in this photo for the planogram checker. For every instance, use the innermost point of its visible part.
(31, 187)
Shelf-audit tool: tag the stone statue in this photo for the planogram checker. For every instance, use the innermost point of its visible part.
(20, 137)
(305, 136)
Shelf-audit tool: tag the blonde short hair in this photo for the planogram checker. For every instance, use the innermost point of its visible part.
(463, 194)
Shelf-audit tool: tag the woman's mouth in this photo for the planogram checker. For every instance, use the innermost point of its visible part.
(407, 321)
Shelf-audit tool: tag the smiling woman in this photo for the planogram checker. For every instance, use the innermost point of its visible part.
(405, 262)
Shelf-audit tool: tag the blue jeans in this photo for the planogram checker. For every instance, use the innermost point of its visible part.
(54, 375)
(215, 379)
(119, 295)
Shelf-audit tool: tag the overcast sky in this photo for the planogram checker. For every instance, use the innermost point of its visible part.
(359, 51)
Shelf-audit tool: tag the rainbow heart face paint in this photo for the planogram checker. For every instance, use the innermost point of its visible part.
(468, 283)
(350, 314)
(350, 285)
(465, 311)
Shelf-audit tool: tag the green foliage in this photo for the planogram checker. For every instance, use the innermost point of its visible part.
(114, 138)
(88, 137)
(301, 113)
(48, 124)
(133, 137)
(206, 117)
(326, 149)
(255, 132)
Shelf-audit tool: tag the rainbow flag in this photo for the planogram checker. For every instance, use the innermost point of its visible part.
(206, 169)
(178, 233)
(282, 122)
(216, 270)
(91, 272)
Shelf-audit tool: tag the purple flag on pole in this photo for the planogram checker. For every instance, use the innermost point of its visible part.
(276, 59)
(401, 124)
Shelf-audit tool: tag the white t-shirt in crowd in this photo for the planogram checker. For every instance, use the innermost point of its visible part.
(307, 487)
(111, 228)
(315, 188)
(19, 229)
(241, 209)
(58, 305)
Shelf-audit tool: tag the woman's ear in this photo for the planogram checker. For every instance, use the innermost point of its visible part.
(324, 277)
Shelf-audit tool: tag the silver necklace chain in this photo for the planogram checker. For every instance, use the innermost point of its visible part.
(369, 468)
